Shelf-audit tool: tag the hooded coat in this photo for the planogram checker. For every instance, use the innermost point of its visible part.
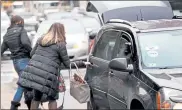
(43, 69)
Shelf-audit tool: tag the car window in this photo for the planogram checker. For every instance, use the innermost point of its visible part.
(122, 50)
(105, 45)
(161, 49)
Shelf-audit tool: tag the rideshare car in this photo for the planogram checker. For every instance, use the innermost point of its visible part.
(76, 36)
(136, 65)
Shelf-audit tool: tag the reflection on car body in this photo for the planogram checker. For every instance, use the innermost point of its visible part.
(136, 66)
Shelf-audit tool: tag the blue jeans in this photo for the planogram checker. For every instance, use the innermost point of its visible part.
(19, 65)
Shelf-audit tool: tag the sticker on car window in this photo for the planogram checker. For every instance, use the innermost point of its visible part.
(152, 64)
(152, 53)
(151, 48)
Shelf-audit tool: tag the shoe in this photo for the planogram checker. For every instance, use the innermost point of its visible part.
(14, 105)
(28, 103)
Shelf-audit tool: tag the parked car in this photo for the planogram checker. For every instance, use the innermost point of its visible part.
(5, 23)
(76, 36)
(46, 7)
(18, 7)
(30, 23)
(136, 65)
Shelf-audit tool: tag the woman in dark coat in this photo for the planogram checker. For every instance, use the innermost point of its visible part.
(42, 72)
(18, 43)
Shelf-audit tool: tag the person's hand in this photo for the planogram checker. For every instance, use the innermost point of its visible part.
(87, 63)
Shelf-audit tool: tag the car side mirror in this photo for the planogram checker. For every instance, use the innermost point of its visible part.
(41, 19)
(120, 64)
(92, 34)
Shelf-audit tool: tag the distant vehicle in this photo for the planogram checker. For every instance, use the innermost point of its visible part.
(130, 10)
(46, 7)
(30, 23)
(76, 36)
(5, 23)
(18, 7)
(136, 65)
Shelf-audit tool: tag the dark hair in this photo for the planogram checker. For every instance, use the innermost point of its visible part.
(55, 34)
(17, 20)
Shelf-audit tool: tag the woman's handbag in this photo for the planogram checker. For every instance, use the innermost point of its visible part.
(79, 89)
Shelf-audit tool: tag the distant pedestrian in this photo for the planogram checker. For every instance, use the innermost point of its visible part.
(42, 72)
(18, 43)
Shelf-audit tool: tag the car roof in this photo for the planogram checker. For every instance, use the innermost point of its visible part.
(103, 6)
(157, 24)
(61, 20)
(67, 21)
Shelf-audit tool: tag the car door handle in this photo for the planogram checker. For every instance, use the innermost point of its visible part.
(91, 64)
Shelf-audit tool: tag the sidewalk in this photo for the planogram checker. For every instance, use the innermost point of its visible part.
(7, 94)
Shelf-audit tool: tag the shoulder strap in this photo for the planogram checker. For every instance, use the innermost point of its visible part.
(61, 107)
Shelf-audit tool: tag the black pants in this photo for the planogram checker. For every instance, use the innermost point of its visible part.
(38, 96)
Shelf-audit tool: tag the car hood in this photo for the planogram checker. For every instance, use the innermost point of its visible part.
(70, 38)
(73, 38)
(171, 78)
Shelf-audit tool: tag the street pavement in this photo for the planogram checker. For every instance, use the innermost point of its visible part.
(8, 87)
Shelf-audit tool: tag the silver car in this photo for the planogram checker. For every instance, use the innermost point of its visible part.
(76, 36)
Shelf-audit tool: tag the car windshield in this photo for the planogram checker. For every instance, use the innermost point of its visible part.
(71, 27)
(161, 49)
(58, 16)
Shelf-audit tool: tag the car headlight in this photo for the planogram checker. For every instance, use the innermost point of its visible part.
(76, 46)
(165, 102)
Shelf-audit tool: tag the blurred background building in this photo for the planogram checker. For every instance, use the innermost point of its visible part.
(32, 5)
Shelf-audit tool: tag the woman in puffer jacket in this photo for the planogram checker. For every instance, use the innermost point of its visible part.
(42, 72)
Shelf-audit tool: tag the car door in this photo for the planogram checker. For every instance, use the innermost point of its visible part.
(97, 72)
(118, 80)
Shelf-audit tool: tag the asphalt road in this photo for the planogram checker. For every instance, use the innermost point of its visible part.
(8, 88)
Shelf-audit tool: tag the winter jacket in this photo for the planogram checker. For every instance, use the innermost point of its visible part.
(43, 69)
(17, 41)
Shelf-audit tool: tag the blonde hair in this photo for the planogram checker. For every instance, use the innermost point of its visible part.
(55, 34)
